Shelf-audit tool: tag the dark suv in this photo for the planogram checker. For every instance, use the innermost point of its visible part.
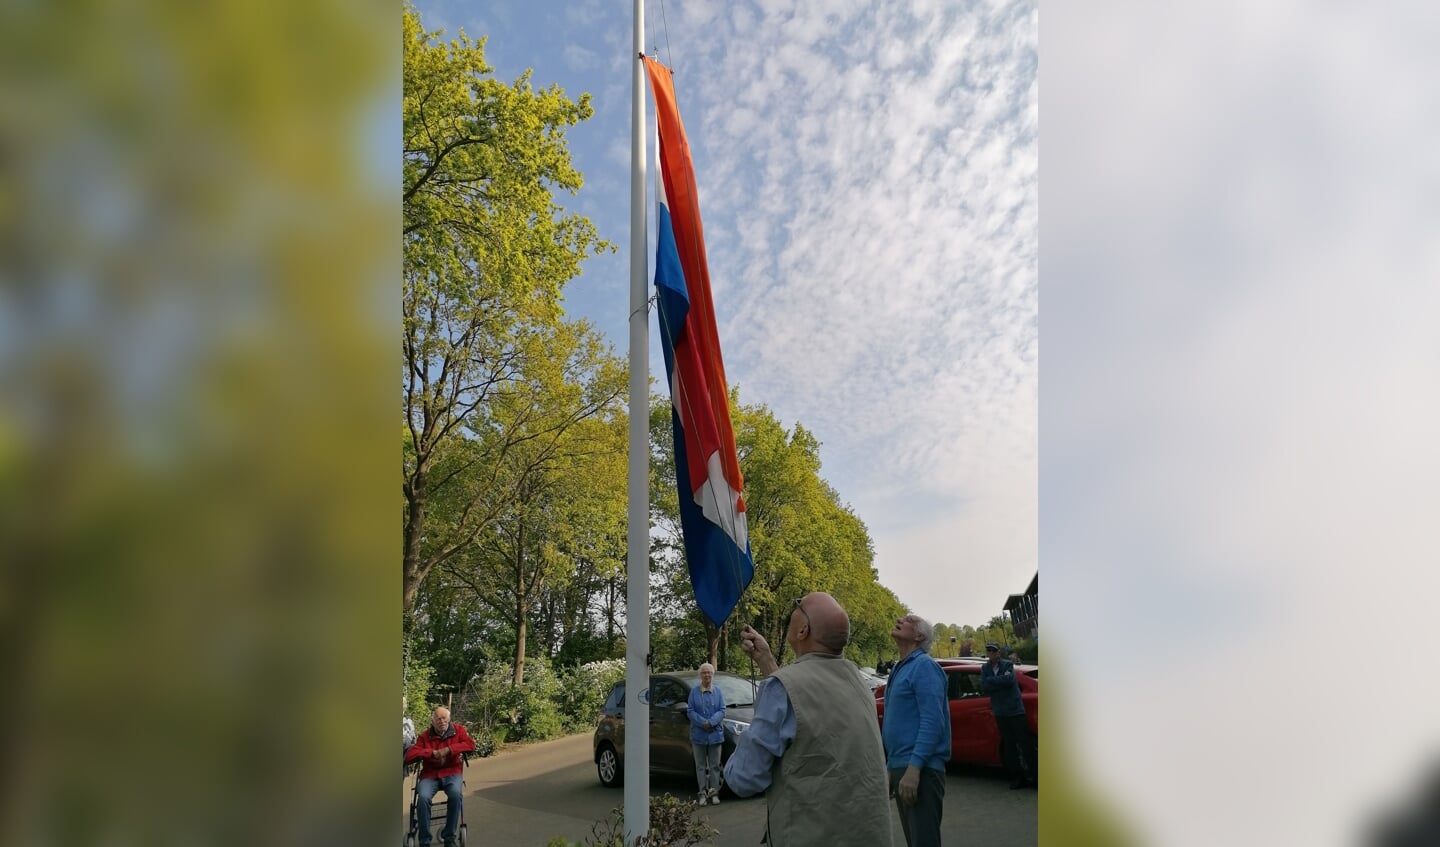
(669, 723)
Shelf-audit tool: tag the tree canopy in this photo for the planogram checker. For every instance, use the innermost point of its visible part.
(514, 429)
(487, 252)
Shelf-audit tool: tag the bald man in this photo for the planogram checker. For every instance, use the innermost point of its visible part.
(439, 750)
(814, 744)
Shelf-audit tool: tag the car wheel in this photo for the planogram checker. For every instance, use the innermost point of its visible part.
(607, 765)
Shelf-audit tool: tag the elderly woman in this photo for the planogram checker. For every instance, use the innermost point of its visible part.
(707, 736)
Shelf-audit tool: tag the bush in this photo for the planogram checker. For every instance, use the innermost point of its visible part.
(547, 704)
(672, 824)
(583, 690)
(418, 675)
(529, 712)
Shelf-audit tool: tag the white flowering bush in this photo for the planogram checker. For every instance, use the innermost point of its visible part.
(583, 690)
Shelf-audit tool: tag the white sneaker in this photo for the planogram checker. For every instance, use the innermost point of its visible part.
(714, 799)
(701, 801)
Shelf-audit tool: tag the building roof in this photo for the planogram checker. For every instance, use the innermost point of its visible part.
(1016, 601)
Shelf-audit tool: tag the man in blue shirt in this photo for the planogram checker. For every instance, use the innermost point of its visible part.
(1018, 750)
(917, 732)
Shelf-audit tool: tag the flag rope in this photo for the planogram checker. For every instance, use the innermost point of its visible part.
(670, 57)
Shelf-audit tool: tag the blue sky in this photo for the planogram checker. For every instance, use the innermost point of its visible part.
(868, 181)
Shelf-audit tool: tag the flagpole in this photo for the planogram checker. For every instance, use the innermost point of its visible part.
(637, 597)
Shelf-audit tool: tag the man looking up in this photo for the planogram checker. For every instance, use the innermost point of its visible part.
(813, 743)
(917, 732)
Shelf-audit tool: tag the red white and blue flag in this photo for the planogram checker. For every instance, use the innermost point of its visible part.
(712, 507)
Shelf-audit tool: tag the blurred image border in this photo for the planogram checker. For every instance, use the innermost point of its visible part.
(197, 453)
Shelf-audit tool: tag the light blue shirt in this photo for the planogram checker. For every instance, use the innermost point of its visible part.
(771, 733)
(706, 707)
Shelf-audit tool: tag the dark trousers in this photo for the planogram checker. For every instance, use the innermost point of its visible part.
(921, 822)
(1018, 749)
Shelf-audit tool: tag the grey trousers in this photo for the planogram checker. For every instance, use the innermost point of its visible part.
(921, 822)
(707, 767)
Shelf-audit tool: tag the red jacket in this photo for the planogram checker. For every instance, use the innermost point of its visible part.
(455, 738)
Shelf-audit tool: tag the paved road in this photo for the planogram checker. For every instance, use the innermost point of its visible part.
(527, 795)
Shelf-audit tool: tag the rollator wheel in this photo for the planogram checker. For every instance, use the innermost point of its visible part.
(461, 842)
(409, 841)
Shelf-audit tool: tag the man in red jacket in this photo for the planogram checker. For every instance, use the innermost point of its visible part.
(439, 751)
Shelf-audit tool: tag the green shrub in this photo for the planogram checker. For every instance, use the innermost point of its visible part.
(528, 712)
(672, 824)
(418, 677)
(546, 705)
(583, 689)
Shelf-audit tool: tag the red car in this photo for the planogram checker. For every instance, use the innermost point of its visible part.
(974, 738)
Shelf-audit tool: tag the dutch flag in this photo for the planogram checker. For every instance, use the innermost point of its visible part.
(712, 507)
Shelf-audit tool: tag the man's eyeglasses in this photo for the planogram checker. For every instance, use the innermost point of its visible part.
(801, 609)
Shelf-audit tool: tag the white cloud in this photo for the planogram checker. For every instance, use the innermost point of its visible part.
(867, 177)
(874, 176)
(579, 58)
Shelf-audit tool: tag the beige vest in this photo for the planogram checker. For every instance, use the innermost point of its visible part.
(830, 787)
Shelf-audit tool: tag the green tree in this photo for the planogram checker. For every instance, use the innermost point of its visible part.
(589, 532)
(802, 536)
(455, 633)
(486, 252)
(563, 441)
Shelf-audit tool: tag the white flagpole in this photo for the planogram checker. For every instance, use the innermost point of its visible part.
(637, 597)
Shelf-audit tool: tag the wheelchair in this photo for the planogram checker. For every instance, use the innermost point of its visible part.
(439, 807)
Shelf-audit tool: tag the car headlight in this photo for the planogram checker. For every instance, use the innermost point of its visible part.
(735, 726)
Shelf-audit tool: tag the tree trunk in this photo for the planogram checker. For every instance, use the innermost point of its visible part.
(519, 678)
(520, 605)
(777, 636)
(610, 609)
(416, 494)
(712, 643)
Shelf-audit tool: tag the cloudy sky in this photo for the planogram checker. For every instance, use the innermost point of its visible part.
(1239, 414)
(1240, 408)
(868, 181)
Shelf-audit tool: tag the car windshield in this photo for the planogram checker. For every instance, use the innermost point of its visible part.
(737, 691)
